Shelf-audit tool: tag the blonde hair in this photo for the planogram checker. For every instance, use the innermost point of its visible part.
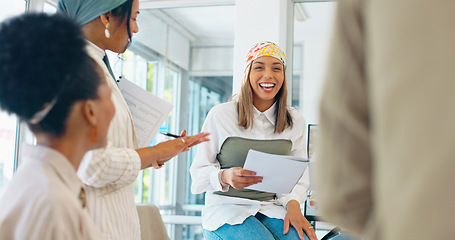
(245, 104)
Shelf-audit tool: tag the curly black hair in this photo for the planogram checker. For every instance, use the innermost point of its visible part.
(43, 58)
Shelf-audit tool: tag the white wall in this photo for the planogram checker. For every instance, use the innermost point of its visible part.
(314, 66)
(313, 38)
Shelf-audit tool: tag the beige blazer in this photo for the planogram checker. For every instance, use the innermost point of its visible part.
(386, 149)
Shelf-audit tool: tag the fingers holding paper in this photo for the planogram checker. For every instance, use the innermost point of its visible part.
(239, 178)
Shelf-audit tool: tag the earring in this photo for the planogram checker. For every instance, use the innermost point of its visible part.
(106, 31)
(93, 135)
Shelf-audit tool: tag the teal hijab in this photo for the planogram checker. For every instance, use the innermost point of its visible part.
(84, 11)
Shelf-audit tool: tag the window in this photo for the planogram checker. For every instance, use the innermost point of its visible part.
(49, 7)
(8, 126)
(201, 100)
(153, 186)
(7, 148)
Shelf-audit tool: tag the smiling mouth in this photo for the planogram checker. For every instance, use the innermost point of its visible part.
(267, 86)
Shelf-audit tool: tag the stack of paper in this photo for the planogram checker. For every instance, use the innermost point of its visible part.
(148, 111)
(280, 172)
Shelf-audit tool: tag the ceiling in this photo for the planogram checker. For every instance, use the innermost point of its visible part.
(215, 25)
(209, 25)
(212, 22)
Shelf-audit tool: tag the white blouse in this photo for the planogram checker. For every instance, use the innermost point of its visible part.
(110, 172)
(42, 200)
(221, 123)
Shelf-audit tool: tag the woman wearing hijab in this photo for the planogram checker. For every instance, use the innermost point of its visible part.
(48, 81)
(259, 119)
(110, 172)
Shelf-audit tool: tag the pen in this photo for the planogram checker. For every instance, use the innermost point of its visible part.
(170, 135)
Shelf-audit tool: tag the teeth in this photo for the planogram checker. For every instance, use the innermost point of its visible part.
(267, 85)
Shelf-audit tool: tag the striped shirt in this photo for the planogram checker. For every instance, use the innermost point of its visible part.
(110, 172)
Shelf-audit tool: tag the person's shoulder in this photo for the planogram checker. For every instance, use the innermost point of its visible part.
(41, 183)
(60, 202)
(35, 196)
(226, 106)
(223, 110)
(29, 211)
(296, 115)
(38, 194)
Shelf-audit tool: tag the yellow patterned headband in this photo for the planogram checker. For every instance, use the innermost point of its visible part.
(265, 49)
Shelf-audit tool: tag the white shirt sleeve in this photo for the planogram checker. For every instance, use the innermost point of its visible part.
(205, 168)
(110, 166)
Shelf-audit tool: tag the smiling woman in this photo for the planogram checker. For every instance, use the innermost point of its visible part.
(266, 80)
(259, 113)
(248, 93)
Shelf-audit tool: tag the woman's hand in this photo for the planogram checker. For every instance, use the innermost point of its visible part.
(295, 218)
(239, 178)
(157, 155)
(171, 148)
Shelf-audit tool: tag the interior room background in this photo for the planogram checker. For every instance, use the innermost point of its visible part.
(184, 53)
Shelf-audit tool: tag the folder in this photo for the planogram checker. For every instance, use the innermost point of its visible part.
(233, 153)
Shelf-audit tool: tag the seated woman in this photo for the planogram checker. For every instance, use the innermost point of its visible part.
(260, 113)
(48, 81)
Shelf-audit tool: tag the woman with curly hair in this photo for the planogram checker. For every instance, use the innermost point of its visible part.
(48, 81)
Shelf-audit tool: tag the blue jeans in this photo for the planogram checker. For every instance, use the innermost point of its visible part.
(258, 227)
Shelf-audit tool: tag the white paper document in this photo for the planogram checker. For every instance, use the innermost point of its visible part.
(280, 172)
(148, 111)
